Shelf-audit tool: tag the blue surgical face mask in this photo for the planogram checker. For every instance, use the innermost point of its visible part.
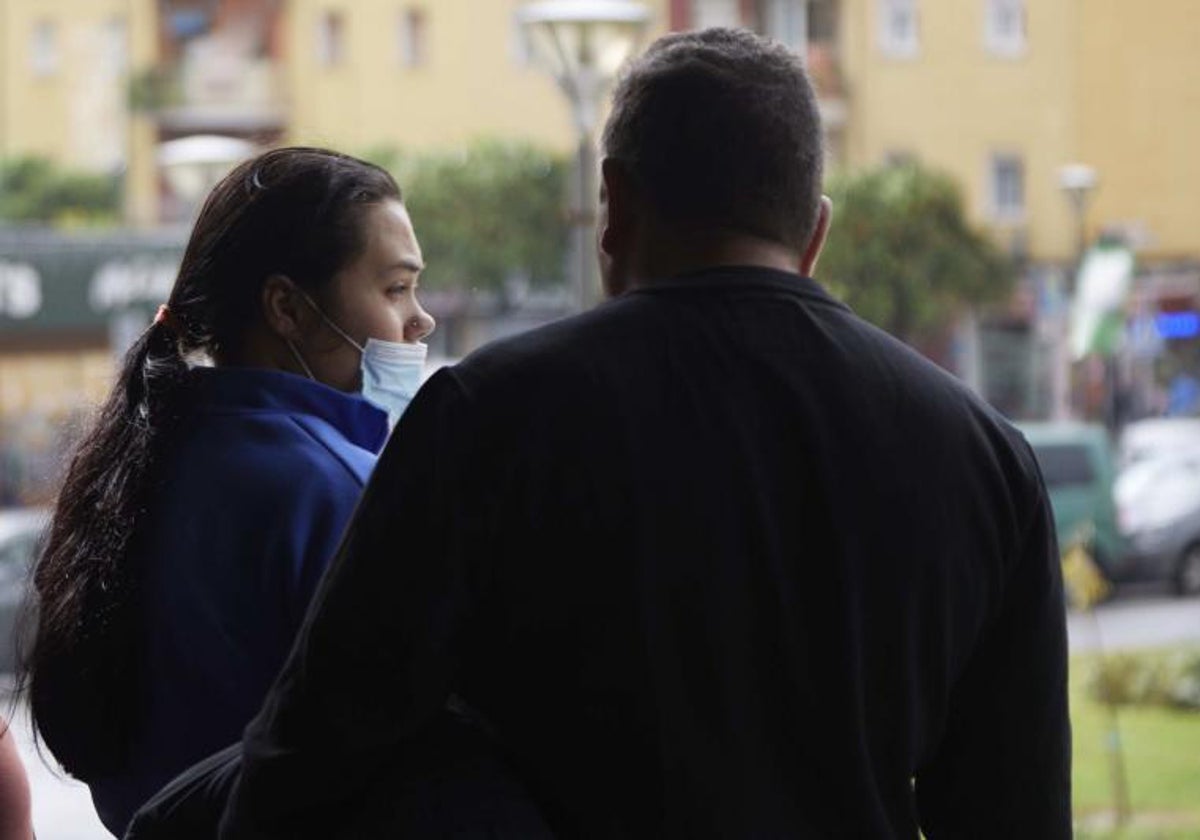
(391, 370)
(391, 374)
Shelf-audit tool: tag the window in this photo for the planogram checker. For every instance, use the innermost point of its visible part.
(43, 49)
(519, 46)
(186, 24)
(116, 48)
(1065, 465)
(898, 35)
(822, 21)
(786, 21)
(1008, 188)
(1004, 26)
(411, 40)
(716, 13)
(331, 39)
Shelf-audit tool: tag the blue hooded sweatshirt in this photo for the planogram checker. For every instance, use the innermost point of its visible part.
(259, 487)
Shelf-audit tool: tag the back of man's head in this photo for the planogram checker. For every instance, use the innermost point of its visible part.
(719, 129)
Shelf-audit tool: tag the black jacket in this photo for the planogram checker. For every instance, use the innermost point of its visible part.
(716, 559)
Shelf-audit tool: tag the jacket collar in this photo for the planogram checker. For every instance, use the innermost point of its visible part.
(257, 389)
(734, 278)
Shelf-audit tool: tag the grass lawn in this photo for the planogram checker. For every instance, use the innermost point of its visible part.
(1162, 765)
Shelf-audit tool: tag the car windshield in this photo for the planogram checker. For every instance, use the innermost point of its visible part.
(1151, 439)
(1159, 492)
(1065, 464)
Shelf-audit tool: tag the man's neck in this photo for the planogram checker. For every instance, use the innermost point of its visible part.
(678, 256)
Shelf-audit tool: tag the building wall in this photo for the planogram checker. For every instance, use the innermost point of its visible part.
(75, 111)
(1140, 120)
(51, 383)
(68, 102)
(141, 194)
(45, 398)
(1106, 83)
(955, 104)
(1109, 84)
(472, 82)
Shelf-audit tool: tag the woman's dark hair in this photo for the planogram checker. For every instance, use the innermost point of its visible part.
(291, 211)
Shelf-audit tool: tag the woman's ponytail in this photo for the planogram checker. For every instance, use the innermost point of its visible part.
(87, 594)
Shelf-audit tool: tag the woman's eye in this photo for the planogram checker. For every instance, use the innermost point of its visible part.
(396, 291)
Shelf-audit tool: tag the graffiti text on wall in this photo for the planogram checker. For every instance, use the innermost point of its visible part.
(117, 284)
(20, 290)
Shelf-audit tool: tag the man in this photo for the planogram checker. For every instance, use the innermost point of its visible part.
(715, 559)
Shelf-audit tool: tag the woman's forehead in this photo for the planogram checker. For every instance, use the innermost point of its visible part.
(390, 238)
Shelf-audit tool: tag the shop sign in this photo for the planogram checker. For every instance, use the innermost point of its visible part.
(123, 283)
(20, 290)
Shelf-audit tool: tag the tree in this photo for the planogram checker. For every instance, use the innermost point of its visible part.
(33, 189)
(485, 215)
(902, 255)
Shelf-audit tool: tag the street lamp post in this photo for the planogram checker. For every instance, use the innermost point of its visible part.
(583, 43)
(1077, 180)
(193, 165)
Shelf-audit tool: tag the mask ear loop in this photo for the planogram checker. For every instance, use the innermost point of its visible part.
(296, 352)
(329, 321)
(300, 359)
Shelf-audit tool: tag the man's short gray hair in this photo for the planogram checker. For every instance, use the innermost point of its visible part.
(720, 129)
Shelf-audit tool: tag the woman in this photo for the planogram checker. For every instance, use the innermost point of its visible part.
(200, 510)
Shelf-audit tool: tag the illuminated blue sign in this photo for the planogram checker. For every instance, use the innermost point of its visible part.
(1178, 324)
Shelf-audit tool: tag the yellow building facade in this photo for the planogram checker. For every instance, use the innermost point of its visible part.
(353, 74)
(999, 93)
(63, 80)
(1139, 117)
(435, 74)
(64, 86)
(1003, 93)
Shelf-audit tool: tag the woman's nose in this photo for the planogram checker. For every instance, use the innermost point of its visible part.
(419, 326)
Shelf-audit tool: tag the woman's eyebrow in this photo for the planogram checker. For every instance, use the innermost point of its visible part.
(407, 264)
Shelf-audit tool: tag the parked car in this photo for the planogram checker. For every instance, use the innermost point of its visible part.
(20, 535)
(1144, 440)
(1158, 511)
(1077, 464)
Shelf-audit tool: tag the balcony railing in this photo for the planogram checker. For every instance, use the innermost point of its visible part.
(216, 85)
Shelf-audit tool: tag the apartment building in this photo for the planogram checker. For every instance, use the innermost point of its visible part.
(1003, 93)
(1000, 93)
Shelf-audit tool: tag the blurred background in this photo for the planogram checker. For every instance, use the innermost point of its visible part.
(1016, 188)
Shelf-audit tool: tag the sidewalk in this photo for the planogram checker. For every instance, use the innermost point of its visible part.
(62, 808)
(1137, 618)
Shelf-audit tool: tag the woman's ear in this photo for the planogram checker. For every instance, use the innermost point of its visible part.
(283, 311)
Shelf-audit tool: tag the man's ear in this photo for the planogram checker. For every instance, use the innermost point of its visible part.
(812, 251)
(618, 215)
(283, 310)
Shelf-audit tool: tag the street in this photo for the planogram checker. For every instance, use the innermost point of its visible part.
(1142, 617)
(1139, 617)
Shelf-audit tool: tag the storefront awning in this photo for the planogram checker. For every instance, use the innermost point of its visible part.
(58, 282)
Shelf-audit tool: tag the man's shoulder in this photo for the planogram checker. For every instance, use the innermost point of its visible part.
(923, 393)
(560, 347)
